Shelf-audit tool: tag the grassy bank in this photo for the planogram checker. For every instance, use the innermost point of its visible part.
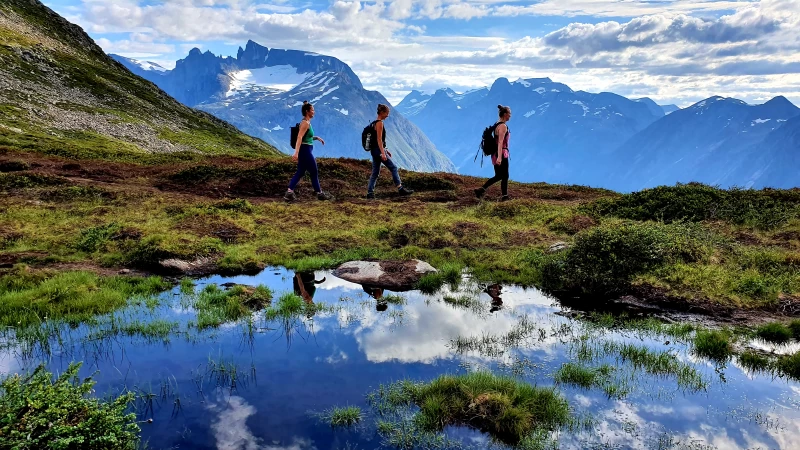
(107, 216)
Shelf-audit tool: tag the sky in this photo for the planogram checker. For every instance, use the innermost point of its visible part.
(673, 51)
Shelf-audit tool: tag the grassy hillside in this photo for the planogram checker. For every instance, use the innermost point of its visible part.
(61, 95)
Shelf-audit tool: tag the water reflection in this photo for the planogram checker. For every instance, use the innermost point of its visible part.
(360, 340)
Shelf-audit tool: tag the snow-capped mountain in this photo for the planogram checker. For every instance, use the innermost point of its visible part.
(719, 141)
(557, 134)
(140, 67)
(261, 91)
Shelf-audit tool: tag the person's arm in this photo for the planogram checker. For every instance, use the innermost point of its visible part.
(379, 132)
(321, 141)
(300, 133)
(501, 134)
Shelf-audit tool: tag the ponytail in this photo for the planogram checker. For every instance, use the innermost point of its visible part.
(306, 108)
(503, 110)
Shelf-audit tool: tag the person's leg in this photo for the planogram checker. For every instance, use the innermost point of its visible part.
(313, 171)
(376, 171)
(498, 175)
(301, 170)
(395, 173)
(504, 181)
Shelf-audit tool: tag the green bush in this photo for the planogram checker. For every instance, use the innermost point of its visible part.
(795, 327)
(604, 260)
(765, 209)
(39, 412)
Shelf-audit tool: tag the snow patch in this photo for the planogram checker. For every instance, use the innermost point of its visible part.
(281, 78)
(343, 111)
(324, 94)
(149, 65)
(277, 128)
(530, 113)
(413, 100)
(522, 82)
(582, 105)
(540, 90)
(759, 121)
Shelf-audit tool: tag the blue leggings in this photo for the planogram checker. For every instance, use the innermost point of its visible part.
(306, 163)
(376, 170)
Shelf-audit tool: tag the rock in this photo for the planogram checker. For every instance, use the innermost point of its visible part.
(557, 247)
(125, 271)
(395, 275)
(200, 266)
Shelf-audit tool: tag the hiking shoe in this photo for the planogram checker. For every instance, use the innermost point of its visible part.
(324, 196)
(480, 192)
(289, 196)
(505, 198)
(371, 196)
(404, 191)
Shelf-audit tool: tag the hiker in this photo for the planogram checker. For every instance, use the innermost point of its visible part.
(377, 294)
(494, 291)
(305, 285)
(303, 155)
(380, 155)
(500, 158)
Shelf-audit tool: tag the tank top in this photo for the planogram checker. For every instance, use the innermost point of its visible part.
(506, 138)
(383, 135)
(308, 138)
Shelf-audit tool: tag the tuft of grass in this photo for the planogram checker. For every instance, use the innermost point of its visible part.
(591, 377)
(754, 361)
(431, 283)
(42, 412)
(508, 409)
(775, 332)
(394, 299)
(712, 344)
(216, 306)
(794, 326)
(789, 365)
(343, 416)
(463, 301)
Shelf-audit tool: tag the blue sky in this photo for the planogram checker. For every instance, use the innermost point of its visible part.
(674, 51)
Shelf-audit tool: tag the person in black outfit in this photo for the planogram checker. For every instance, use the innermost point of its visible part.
(500, 159)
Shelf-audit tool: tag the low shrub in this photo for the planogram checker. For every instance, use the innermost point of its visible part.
(712, 344)
(777, 333)
(40, 412)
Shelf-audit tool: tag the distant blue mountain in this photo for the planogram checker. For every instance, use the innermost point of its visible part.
(261, 90)
(669, 109)
(557, 134)
(719, 141)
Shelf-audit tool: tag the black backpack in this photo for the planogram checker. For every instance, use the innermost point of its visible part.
(368, 136)
(294, 132)
(488, 143)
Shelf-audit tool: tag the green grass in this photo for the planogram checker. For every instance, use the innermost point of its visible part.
(509, 410)
(394, 299)
(794, 326)
(216, 306)
(29, 297)
(592, 377)
(712, 344)
(754, 361)
(42, 412)
(789, 366)
(776, 333)
(343, 416)
(463, 301)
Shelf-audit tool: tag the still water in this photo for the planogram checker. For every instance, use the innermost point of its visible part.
(260, 384)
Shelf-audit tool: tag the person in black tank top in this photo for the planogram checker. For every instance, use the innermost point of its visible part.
(500, 159)
(381, 155)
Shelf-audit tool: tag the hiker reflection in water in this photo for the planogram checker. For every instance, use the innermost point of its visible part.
(494, 291)
(305, 285)
(377, 294)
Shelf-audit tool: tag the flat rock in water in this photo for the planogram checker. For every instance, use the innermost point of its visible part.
(397, 275)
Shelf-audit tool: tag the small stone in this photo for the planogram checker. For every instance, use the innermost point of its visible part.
(557, 247)
(124, 271)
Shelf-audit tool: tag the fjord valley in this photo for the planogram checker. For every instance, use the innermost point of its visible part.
(156, 291)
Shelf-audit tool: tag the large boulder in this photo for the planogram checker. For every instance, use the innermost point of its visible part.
(394, 275)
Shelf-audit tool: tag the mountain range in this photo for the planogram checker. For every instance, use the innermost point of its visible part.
(559, 135)
(261, 91)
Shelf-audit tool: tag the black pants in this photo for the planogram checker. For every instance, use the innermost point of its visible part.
(501, 175)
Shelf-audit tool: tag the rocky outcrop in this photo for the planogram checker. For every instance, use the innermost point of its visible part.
(395, 275)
